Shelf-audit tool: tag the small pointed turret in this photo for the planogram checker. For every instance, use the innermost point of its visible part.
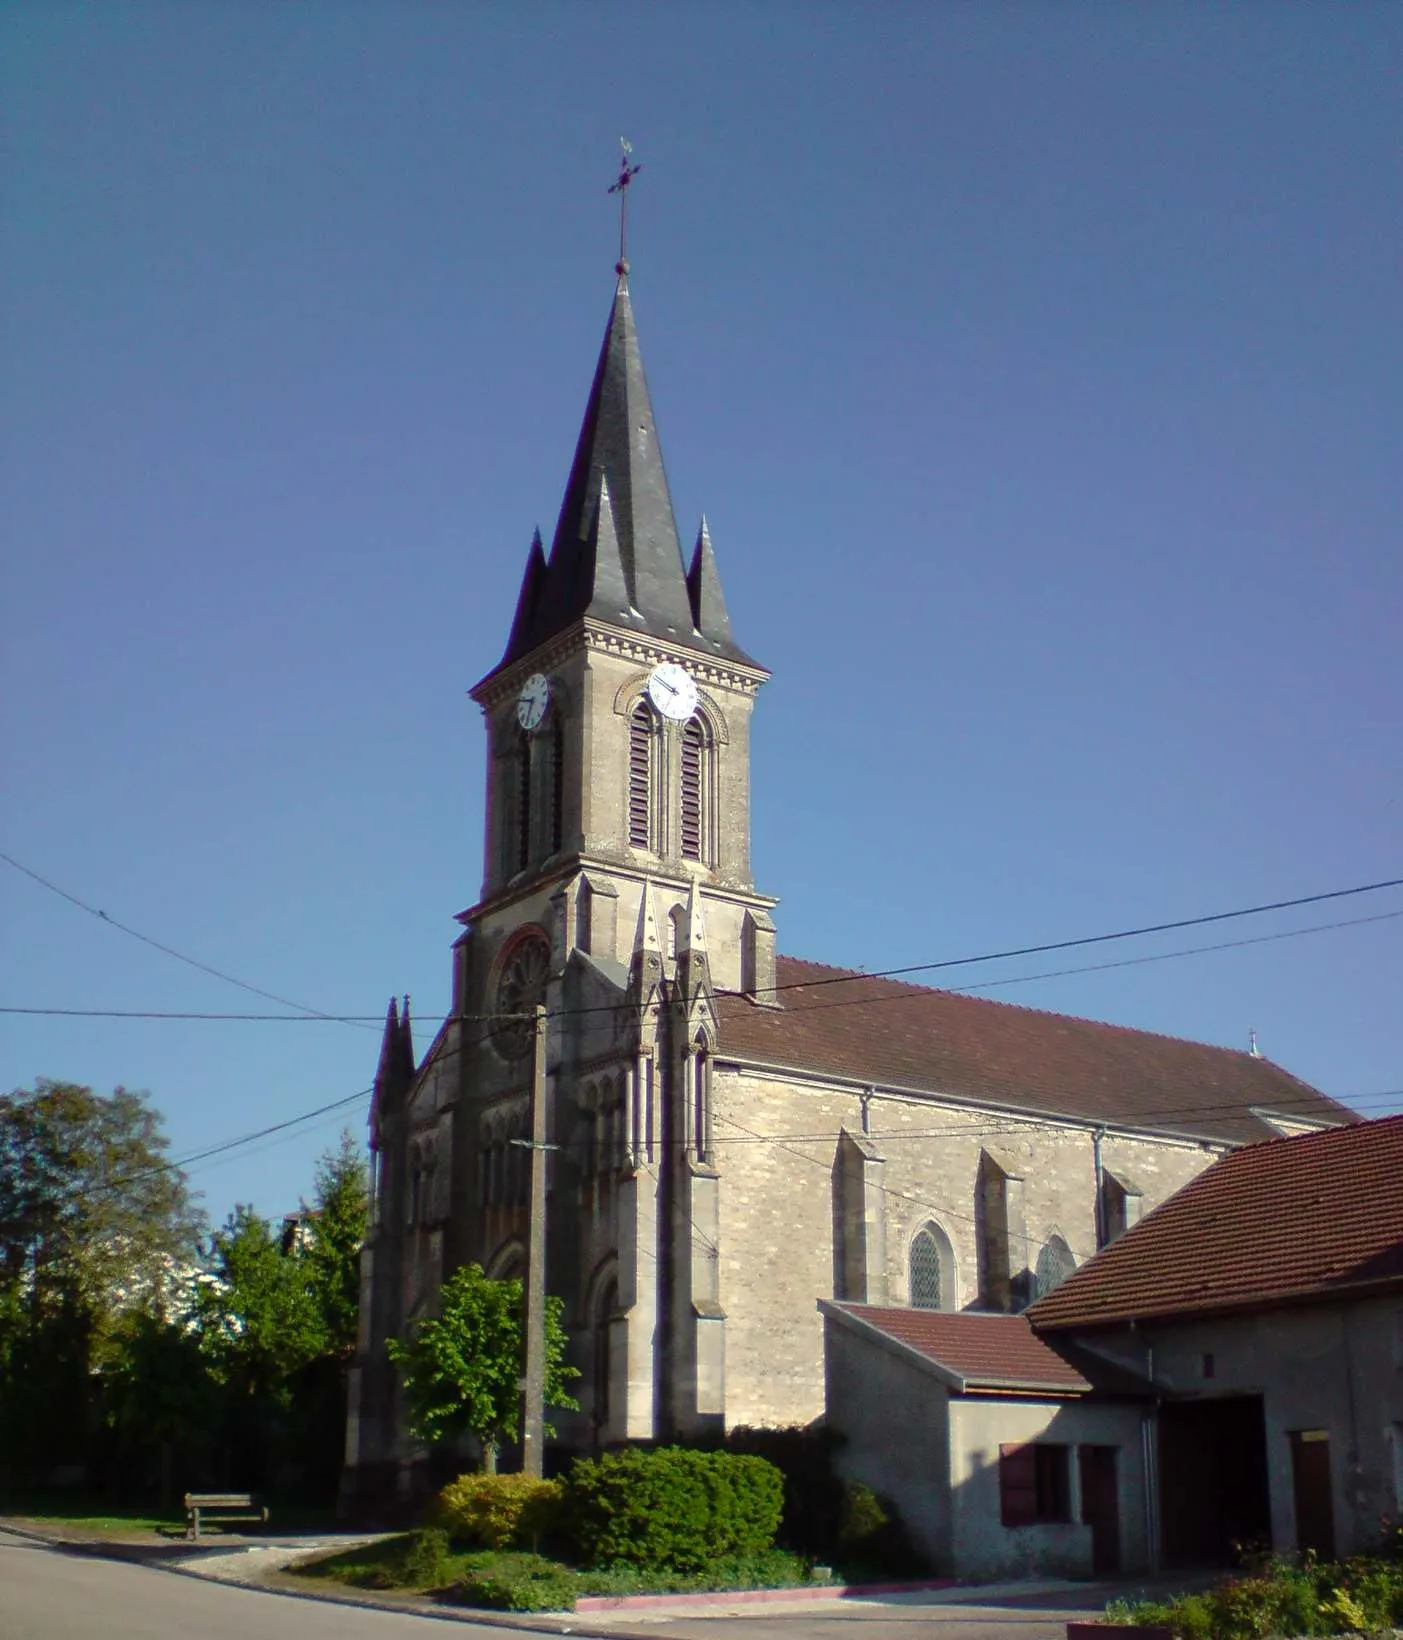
(386, 1070)
(709, 615)
(408, 1065)
(693, 965)
(394, 1075)
(693, 924)
(607, 588)
(645, 972)
(529, 599)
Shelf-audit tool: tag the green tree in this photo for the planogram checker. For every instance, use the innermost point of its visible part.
(96, 1226)
(461, 1369)
(160, 1401)
(336, 1226)
(90, 1207)
(257, 1312)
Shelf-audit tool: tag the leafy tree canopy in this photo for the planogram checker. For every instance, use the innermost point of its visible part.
(91, 1211)
(462, 1368)
(336, 1226)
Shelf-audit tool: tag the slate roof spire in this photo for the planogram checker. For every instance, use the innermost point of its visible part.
(616, 554)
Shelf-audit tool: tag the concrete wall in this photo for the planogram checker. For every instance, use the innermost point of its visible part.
(982, 1546)
(895, 1418)
(1336, 1367)
(936, 1457)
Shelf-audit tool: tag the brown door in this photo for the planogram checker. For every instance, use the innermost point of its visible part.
(1310, 1484)
(1100, 1506)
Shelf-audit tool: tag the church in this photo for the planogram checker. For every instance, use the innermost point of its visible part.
(736, 1135)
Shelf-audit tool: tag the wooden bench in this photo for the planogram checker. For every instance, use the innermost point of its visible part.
(227, 1505)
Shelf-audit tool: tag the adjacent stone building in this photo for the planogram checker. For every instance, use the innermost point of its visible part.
(738, 1134)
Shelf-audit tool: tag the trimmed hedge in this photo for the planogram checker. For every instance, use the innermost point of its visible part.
(672, 1507)
(500, 1511)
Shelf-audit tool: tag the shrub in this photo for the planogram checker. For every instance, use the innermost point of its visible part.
(871, 1537)
(521, 1583)
(813, 1491)
(422, 1561)
(672, 1507)
(499, 1511)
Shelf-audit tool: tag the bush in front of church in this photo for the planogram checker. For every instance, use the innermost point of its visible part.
(499, 1511)
(672, 1508)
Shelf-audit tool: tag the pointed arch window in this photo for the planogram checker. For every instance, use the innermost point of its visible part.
(693, 783)
(931, 1270)
(557, 784)
(523, 801)
(1055, 1264)
(640, 772)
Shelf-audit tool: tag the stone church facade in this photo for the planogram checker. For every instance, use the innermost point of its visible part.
(737, 1134)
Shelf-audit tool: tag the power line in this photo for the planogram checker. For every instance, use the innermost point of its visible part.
(157, 945)
(913, 993)
(1092, 939)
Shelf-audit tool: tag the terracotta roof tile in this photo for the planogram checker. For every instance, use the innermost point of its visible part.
(985, 1351)
(841, 1023)
(1290, 1220)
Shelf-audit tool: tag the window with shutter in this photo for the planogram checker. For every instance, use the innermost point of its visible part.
(640, 757)
(693, 752)
(1018, 1485)
(1034, 1483)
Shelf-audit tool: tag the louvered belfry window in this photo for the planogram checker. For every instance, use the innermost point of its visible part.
(557, 786)
(640, 752)
(693, 751)
(523, 801)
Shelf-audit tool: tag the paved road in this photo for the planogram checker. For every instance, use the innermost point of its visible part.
(47, 1594)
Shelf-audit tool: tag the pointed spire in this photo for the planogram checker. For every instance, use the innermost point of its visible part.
(709, 615)
(693, 924)
(618, 450)
(389, 1047)
(408, 1065)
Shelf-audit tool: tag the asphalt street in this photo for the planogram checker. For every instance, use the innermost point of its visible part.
(47, 1593)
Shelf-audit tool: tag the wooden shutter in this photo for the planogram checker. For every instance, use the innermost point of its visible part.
(693, 747)
(639, 759)
(1018, 1484)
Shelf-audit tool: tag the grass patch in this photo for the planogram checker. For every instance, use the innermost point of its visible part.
(511, 1580)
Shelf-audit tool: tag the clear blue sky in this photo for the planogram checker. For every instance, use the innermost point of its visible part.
(1037, 366)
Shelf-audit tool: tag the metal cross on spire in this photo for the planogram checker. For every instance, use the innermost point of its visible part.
(627, 172)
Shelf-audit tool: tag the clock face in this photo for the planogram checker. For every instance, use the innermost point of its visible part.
(531, 703)
(672, 691)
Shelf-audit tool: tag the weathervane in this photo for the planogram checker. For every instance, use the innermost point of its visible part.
(627, 172)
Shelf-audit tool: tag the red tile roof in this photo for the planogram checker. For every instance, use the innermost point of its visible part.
(840, 1023)
(981, 1351)
(1313, 1217)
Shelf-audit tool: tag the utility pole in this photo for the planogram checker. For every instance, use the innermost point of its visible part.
(534, 1377)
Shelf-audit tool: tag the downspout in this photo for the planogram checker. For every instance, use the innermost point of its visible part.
(1096, 1137)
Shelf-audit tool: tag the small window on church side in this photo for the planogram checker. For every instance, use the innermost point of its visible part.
(925, 1273)
(640, 749)
(693, 753)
